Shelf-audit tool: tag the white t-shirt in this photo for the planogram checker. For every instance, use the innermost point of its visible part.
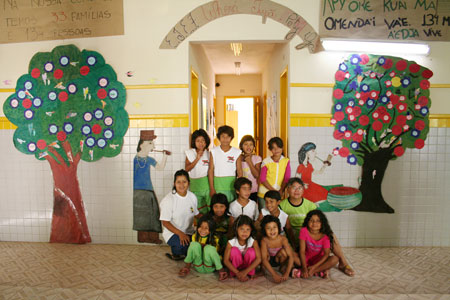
(251, 209)
(201, 168)
(235, 243)
(225, 162)
(282, 217)
(179, 211)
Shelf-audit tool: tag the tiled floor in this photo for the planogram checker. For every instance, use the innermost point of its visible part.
(57, 271)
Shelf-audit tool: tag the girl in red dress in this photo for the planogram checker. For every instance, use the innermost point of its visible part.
(313, 191)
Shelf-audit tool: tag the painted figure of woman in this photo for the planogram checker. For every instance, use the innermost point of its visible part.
(313, 191)
(145, 205)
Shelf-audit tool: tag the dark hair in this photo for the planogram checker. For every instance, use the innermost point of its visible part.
(266, 220)
(243, 220)
(275, 140)
(303, 150)
(178, 174)
(198, 133)
(139, 145)
(273, 194)
(325, 228)
(293, 180)
(225, 129)
(238, 183)
(219, 199)
(212, 229)
(246, 138)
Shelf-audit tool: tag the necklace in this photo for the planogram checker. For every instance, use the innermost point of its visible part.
(140, 159)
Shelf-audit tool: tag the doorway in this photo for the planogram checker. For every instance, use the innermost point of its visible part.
(240, 114)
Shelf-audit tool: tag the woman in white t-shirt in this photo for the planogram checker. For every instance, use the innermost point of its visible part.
(177, 212)
(197, 164)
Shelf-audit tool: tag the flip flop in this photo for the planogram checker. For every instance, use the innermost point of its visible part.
(175, 257)
(296, 273)
(347, 270)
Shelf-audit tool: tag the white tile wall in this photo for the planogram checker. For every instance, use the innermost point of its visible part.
(416, 185)
(26, 199)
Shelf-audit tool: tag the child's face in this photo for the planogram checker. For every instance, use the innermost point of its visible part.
(245, 191)
(225, 139)
(181, 185)
(276, 151)
(272, 204)
(203, 229)
(219, 209)
(244, 231)
(311, 154)
(248, 147)
(271, 230)
(295, 190)
(314, 223)
(200, 143)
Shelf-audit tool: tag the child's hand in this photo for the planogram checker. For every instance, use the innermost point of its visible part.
(284, 277)
(248, 158)
(277, 278)
(305, 273)
(199, 154)
(242, 276)
(184, 239)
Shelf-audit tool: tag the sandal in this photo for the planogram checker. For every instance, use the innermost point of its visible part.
(347, 270)
(175, 257)
(296, 273)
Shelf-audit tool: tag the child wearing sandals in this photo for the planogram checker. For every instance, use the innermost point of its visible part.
(316, 238)
(275, 249)
(242, 254)
(202, 252)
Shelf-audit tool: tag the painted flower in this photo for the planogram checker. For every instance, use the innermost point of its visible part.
(401, 107)
(342, 128)
(353, 85)
(358, 70)
(354, 145)
(355, 59)
(343, 67)
(351, 102)
(384, 99)
(338, 106)
(351, 159)
(364, 88)
(424, 111)
(415, 133)
(406, 81)
(381, 60)
(370, 103)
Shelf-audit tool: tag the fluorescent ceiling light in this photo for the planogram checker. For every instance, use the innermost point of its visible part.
(375, 47)
(237, 67)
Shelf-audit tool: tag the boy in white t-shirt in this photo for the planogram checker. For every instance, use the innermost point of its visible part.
(222, 164)
(272, 200)
(242, 205)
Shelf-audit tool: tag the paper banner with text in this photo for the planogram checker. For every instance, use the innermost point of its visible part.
(38, 20)
(396, 20)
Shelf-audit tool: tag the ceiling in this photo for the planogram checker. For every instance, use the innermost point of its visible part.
(253, 57)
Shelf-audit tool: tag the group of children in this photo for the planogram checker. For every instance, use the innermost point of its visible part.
(242, 222)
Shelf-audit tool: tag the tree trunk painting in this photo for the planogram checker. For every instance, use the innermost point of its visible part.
(69, 219)
(373, 169)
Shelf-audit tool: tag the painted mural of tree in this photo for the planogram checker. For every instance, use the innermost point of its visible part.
(380, 107)
(68, 107)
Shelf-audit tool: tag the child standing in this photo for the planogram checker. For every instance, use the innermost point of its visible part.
(275, 249)
(316, 238)
(197, 164)
(221, 215)
(222, 164)
(242, 254)
(202, 251)
(275, 170)
(249, 164)
(242, 205)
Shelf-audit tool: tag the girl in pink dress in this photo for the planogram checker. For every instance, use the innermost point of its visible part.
(316, 238)
(313, 191)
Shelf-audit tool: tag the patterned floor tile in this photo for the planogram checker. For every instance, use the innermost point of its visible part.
(342, 297)
(60, 271)
(387, 297)
(197, 296)
(298, 297)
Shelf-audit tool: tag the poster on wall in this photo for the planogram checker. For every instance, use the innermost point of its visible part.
(68, 107)
(30, 21)
(425, 20)
(380, 108)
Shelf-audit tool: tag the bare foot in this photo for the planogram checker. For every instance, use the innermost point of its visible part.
(347, 270)
(183, 272)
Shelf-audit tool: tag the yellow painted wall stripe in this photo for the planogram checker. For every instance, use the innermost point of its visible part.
(323, 120)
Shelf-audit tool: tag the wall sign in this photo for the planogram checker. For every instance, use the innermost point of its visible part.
(265, 8)
(39, 20)
(427, 20)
